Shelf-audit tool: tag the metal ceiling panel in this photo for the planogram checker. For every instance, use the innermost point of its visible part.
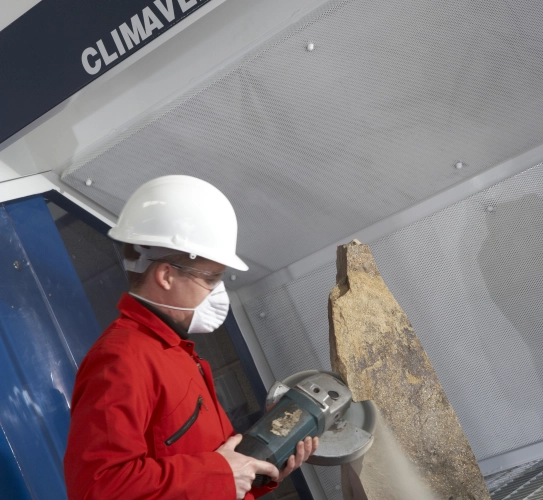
(313, 145)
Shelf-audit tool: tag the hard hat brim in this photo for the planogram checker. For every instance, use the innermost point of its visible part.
(232, 261)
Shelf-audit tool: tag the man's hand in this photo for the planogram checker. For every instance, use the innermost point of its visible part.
(304, 449)
(245, 468)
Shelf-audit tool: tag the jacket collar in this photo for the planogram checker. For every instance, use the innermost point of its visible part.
(130, 307)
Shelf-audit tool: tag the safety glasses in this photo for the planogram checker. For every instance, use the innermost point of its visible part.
(207, 279)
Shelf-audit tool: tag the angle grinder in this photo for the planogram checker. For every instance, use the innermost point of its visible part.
(311, 403)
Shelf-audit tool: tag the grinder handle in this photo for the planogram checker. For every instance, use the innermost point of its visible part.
(252, 447)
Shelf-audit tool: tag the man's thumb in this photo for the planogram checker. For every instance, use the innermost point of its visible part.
(233, 441)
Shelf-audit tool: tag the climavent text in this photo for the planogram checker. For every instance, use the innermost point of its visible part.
(141, 27)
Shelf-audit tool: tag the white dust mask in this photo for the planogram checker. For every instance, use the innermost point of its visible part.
(208, 316)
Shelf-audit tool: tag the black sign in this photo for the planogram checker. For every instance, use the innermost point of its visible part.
(59, 46)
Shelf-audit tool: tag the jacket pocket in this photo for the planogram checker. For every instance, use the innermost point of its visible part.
(187, 425)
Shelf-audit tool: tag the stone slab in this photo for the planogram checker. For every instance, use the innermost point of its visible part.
(376, 351)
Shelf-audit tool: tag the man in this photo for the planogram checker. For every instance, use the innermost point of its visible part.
(146, 422)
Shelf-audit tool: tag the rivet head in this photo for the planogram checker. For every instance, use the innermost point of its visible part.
(459, 165)
(233, 277)
(490, 208)
(310, 46)
(17, 265)
(88, 182)
(262, 314)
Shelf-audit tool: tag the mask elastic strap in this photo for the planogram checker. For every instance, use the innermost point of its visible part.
(162, 305)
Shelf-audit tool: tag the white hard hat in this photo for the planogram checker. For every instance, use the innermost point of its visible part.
(184, 214)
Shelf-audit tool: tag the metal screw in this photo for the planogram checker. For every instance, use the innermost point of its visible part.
(17, 265)
(88, 182)
(459, 165)
(233, 277)
(333, 394)
(310, 47)
(262, 314)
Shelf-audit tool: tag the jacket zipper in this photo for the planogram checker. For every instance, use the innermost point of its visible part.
(197, 360)
(187, 425)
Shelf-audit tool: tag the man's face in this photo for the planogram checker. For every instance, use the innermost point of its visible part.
(190, 283)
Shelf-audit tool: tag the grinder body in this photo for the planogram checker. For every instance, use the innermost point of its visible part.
(298, 418)
(308, 409)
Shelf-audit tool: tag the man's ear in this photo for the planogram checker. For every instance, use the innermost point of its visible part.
(164, 276)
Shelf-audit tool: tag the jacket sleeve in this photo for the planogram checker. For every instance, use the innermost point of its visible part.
(107, 451)
(258, 492)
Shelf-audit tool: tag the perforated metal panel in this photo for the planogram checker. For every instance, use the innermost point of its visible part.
(292, 323)
(470, 279)
(313, 145)
(471, 282)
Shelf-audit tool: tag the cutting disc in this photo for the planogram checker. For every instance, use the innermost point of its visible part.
(349, 438)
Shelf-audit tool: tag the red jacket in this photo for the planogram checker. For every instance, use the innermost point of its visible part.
(145, 420)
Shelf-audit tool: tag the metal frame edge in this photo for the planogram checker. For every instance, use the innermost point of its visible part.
(511, 459)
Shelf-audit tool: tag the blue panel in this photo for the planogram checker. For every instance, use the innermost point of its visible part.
(46, 326)
(12, 486)
(77, 324)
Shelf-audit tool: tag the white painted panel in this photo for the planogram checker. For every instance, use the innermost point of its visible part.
(15, 161)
